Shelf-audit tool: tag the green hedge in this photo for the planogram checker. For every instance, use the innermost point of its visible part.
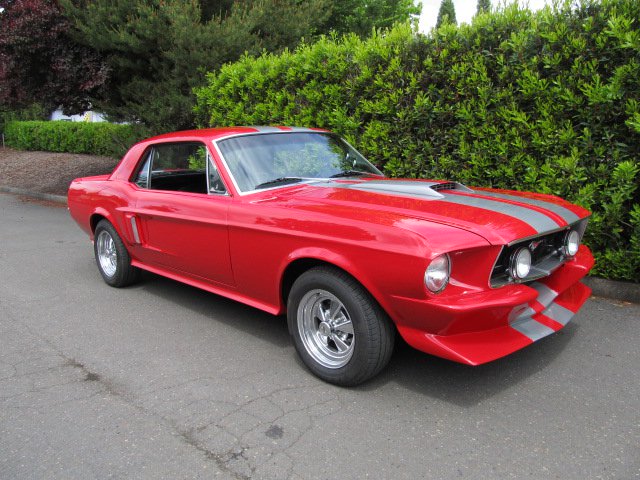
(34, 111)
(106, 139)
(546, 101)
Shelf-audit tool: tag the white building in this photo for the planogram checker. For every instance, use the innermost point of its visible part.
(89, 116)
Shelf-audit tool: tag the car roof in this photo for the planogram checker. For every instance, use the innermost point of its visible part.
(222, 132)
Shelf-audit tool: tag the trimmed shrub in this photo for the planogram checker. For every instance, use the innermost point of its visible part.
(34, 111)
(545, 101)
(106, 139)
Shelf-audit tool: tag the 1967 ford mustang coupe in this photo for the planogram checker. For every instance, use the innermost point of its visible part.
(295, 220)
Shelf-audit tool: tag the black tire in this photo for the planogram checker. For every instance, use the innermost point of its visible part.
(115, 268)
(352, 354)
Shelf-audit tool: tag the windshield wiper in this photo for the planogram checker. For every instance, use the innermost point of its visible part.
(278, 181)
(348, 173)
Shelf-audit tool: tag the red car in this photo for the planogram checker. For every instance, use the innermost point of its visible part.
(295, 220)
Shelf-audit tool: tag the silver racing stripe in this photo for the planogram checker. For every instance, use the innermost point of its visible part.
(566, 214)
(536, 220)
(558, 313)
(545, 294)
(399, 187)
(527, 325)
(532, 329)
(298, 129)
(267, 129)
(264, 129)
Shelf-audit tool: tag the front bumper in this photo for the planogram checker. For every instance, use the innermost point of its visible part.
(479, 327)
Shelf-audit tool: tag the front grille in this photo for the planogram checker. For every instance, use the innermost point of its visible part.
(546, 256)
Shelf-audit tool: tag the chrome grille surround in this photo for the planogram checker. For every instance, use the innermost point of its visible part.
(546, 255)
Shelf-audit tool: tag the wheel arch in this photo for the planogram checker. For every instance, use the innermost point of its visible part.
(102, 214)
(296, 268)
(303, 263)
(95, 219)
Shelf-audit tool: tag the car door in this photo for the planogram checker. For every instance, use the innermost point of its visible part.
(180, 214)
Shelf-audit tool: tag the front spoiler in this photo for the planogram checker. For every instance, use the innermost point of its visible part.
(549, 304)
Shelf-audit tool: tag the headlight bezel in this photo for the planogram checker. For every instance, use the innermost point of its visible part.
(522, 253)
(567, 242)
(438, 273)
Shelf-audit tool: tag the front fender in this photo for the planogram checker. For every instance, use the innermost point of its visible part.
(366, 277)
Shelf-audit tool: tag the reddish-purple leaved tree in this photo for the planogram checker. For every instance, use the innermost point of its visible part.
(40, 62)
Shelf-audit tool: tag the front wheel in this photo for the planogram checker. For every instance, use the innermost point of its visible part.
(112, 256)
(338, 329)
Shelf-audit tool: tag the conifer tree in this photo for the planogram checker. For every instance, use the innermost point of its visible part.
(447, 13)
(157, 50)
(360, 17)
(484, 6)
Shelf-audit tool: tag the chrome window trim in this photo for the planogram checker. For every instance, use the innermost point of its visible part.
(210, 163)
(152, 153)
(145, 160)
(149, 156)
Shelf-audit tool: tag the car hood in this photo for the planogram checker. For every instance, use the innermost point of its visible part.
(499, 216)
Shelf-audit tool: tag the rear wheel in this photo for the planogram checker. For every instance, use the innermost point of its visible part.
(112, 257)
(339, 330)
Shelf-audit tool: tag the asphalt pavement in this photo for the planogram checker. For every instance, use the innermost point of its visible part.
(161, 380)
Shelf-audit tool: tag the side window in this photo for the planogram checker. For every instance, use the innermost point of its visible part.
(184, 167)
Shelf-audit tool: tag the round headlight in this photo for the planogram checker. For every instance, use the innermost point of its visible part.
(436, 276)
(521, 263)
(571, 243)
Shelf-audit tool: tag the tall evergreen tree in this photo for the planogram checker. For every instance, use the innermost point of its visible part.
(215, 8)
(447, 13)
(484, 6)
(157, 50)
(360, 17)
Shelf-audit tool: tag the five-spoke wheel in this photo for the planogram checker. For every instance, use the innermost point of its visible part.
(325, 328)
(112, 256)
(106, 253)
(339, 330)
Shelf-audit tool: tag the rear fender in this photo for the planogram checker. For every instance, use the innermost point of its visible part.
(95, 218)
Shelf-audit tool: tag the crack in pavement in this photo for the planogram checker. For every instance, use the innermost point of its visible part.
(235, 461)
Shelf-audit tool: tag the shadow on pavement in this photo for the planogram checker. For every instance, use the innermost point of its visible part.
(465, 385)
(248, 320)
(412, 370)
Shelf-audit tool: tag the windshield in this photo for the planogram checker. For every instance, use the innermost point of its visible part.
(268, 160)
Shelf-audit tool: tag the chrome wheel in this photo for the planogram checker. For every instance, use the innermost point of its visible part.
(325, 328)
(325, 308)
(107, 255)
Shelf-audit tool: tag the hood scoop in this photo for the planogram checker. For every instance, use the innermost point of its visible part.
(408, 188)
